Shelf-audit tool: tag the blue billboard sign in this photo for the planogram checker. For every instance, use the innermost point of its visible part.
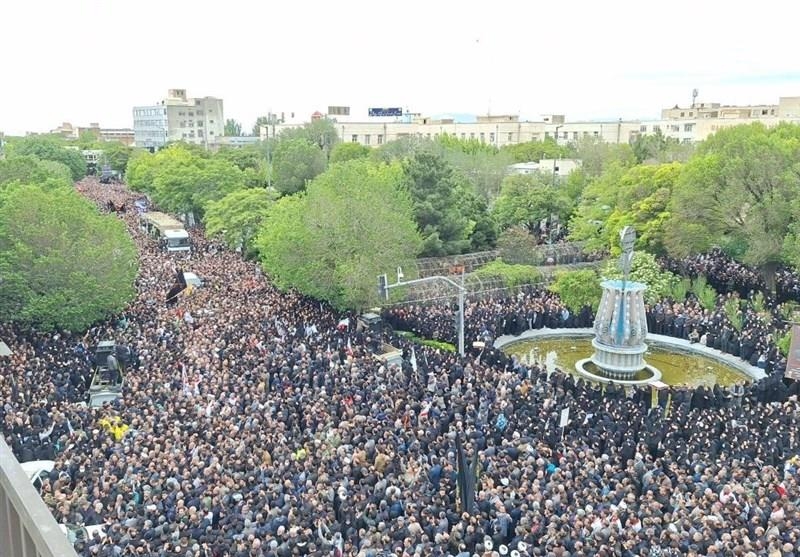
(385, 111)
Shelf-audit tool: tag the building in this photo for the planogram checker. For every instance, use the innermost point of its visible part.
(68, 131)
(179, 118)
(686, 125)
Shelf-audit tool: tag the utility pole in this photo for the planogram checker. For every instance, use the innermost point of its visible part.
(384, 287)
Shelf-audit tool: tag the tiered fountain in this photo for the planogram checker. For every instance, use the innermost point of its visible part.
(620, 329)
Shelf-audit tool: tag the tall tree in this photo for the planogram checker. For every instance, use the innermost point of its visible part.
(439, 195)
(637, 196)
(52, 149)
(738, 191)
(238, 216)
(527, 199)
(116, 154)
(63, 264)
(597, 155)
(294, 163)
(331, 242)
(233, 128)
(347, 151)
(533, 151)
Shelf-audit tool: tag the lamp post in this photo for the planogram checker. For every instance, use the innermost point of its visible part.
(384, 287)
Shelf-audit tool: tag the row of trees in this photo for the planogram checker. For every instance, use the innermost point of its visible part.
(740, 190)
(62, 264)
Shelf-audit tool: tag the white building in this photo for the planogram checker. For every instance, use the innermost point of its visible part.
(179, 118)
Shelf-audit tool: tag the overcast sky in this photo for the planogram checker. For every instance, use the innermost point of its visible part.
(87, 61)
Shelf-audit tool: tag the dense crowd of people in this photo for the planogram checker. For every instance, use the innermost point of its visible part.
(256, 424)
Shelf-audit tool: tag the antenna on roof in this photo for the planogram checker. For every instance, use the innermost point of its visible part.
(694, 96)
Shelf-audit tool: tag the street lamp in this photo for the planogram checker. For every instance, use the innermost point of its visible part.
(384, 287)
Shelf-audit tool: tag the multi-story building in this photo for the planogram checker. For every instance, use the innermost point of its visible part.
(67, 130)
(179, 118)
(686, 125)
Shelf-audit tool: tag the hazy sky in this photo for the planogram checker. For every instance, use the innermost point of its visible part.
(92, 60)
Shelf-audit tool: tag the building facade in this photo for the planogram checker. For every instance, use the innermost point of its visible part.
(686, 125)
(179, 118)
(68, 131)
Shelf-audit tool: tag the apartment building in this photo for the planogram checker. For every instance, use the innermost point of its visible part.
(179, 118)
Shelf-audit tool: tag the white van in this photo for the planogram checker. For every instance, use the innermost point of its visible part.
(37, 471)
(77, 533)
(176, 240)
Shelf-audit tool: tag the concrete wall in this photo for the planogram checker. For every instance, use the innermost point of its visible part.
(27, 529)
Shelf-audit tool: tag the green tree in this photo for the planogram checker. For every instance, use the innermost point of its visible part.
(233, 128)
(31, 170)
(737, 191)
(638, 196)
(52, 149)
(294, 163)
(331, 242)
(116, 155)
(578, 289)
(596, 155)
(656, 148)
(645, 269)
(181, 181)
(62, 263)
(261, 121)
(238, 217)
(527, 199)
(321, 132)
(440, 196)
(534, 151)
(342, 152)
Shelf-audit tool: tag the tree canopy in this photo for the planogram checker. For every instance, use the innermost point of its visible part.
(296, 162)
(233, 128)
(50, 148)
(63, 264)
(238, 216)
(346, 151)
(354, 222)
(527, 199)
(182, 181)
(738, 191)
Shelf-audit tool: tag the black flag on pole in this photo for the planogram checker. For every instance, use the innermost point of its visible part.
(465, 479)
(177, 288)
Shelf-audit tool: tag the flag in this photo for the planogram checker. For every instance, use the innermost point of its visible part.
(69, 427)
(178, 287)
(413, 359)
(349, 347)
(465, 480)
(46, 434)
(343, 324)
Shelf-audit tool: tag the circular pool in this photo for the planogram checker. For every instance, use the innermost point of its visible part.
(678, 366)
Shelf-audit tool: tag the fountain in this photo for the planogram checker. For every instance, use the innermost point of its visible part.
(620, 329)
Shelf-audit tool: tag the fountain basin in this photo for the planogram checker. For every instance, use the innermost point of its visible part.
(680, 362)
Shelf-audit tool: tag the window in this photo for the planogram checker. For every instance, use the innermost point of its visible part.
(491, 137)
(764, 112)
(183, 123)
(575, 136)
(380, 139)
(191, 114)
(597, 134)
(199, 112)
(643, 128)
(510, 137)
(427, 136)
(354, 138)
(366, 139)
(547, 135)
(688, 127)
(675, 128)
(691, 114)
(656, 128)
(181, 114)
(483, 137)
(463, 135)
(199, 123)
(682, 114)
(211, 121)
(199, 133)
(472, 135)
